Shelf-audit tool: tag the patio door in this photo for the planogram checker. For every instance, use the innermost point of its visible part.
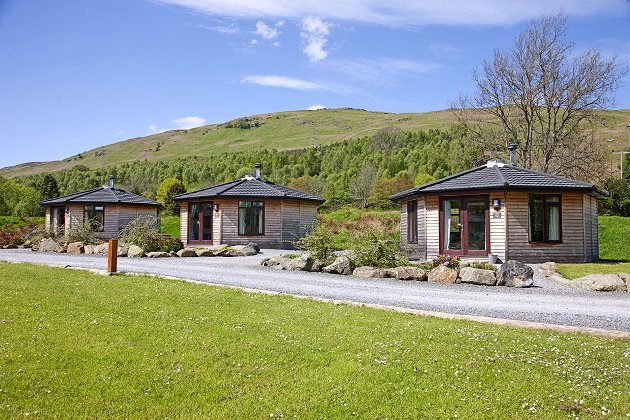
(464, 226)
(200, 223)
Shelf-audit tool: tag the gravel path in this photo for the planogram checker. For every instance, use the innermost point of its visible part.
(547, 302)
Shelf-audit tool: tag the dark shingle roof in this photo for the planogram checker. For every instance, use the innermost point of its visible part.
(104, 195)
(248, 187)
(497, 175)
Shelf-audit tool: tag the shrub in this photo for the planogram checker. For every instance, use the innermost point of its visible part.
(165, 244)
(142, 231)
(81, 232)
(445, 260)
(319, 242)
(483, 265)
(373, 251)
(10, 235)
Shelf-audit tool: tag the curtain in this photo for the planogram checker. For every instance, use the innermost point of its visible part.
(553, 224)
(447, 224)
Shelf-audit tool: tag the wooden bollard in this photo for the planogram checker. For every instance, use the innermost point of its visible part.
(112, 256)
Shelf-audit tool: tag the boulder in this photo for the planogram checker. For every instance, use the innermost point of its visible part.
(158, 254)
(442, 275)
(255, 246)
(274, 261)
(100, 249)
(10, 246)
(626, 278)
(600, 283)
(548, 268)
(478, 276)
(204, 252)
(302, 263)
(341, 265)
(408, 273)
(47, 245)
(76, 248)
(248, 251)
(123, 250)
(515, 274)
(173, 254)
(186, 252)
(62, 248)
(370, 272)
(135, 252)
(318, 265)
(88, 249)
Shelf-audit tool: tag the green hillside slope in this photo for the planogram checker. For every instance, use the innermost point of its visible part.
(282, 131)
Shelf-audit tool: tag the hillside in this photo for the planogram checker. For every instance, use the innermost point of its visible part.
(282, 131)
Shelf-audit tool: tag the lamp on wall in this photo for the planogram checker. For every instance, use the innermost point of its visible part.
(496, 203)
(216, 207)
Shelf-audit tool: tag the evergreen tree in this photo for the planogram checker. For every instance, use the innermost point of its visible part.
(168, 189)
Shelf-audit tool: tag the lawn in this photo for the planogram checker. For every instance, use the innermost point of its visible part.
(170, 226)
(614, 238)
(574, 271)
(19, 220)
(74, 344)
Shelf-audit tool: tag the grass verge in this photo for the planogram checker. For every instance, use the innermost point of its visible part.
(170, 226)
(614, 238)
(574, 271)
(75, 344)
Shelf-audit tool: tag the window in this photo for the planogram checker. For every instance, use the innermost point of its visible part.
(95, 216)
(412, 222)
(545, 218)
(251, 218)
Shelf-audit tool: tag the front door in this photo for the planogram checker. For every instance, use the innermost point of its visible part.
(464, 226)
(200, 223)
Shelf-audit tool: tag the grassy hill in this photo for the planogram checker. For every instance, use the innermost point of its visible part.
(282, 131)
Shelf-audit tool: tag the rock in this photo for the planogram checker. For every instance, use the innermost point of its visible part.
(204, 252)
(173, 254)
(408, 273)
(47, 245)
(62, 248)
(600, 283)
(23, 246)
(255, 246)
(135, 252)
(10, 246)
(478, 276)
(186, 252)
(548, 269)
(123, 250)
(442, 275)
(272, 262)
(249, 251)
(626, 278)
(341, 265)
(318, 265)
(302, 263)
(88, 249)
(76, 248)
(515, 274)
(370, 272)
(100, 249)
(158, 254)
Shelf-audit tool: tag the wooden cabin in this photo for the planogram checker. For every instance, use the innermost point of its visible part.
(246, 210)
(107, 209)
(501, 209)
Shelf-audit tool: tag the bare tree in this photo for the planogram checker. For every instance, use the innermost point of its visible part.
(361, 184)
(545, 98)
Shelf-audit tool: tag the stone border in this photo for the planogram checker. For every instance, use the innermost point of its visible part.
(540, 326)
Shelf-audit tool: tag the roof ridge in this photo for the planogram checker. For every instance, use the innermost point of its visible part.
(235, 182)
(501, 177)
(437, 181)
(563, 178)
(207, 188)
(73, 195)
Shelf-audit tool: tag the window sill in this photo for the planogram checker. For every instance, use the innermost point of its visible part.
(543, 243)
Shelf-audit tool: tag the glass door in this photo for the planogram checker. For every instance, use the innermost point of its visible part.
(464, 226)
(200, 223)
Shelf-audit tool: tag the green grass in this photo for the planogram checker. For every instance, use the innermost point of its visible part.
(614, 238)
(20, 221)
(574, 271)
(170, 226)
(348, 223)
(74, 344)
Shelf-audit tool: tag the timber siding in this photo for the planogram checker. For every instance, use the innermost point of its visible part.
(298, 218)
(578, 224)
(117, 216)
(498, 226)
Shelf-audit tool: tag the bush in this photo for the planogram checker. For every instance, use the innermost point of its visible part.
(144, 232)
(10, 235)
(483, 265)
(319, 242)
(82, 232)
(445, 260)
(372, 251)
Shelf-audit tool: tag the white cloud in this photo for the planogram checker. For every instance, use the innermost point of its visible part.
(152, 128)
(381, 70)
(276, 44)
(315, 107)
(230, 29)
(186, 123)
(406, 13)
(283, 82)
(253, 41)
(265, 31)
(315, 31)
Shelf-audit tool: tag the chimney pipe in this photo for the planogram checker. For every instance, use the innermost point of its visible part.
(257, 166)
(512, 149)
(111, 181)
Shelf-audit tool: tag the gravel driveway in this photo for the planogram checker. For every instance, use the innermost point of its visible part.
(546, 302)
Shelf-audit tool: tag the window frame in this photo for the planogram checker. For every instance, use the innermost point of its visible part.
(412, 222)
(262, 227)
(545, 206)
(86, 220)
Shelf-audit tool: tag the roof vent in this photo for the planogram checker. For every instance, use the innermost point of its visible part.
(257, 166)
(111, 181)
(492, 163)
(512, 149)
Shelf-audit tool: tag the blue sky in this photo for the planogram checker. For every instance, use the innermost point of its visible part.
(75, 75)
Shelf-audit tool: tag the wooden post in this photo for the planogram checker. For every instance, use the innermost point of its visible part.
(112, 255)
